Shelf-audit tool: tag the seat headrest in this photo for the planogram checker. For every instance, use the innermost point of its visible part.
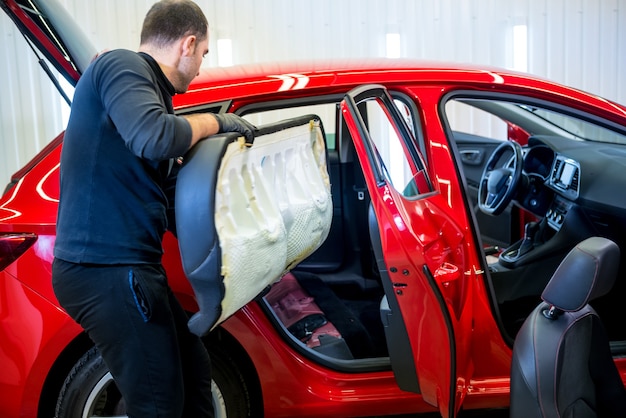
(587, 272)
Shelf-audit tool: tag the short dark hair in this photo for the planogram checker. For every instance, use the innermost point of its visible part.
(170, 20)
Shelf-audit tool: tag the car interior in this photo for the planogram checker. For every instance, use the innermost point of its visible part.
(562, 364)
(567, 189)
(331, 306)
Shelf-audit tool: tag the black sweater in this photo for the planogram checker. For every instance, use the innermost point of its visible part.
(114, 162)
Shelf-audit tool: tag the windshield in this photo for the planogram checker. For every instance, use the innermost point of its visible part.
(492, 118)
(579, 128)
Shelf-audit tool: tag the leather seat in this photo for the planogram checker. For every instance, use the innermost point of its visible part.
(562, 364)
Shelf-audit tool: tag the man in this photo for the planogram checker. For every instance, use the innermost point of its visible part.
(107, 274)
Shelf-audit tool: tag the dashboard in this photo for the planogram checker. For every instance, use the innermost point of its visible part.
(558, 171)
(566, 174)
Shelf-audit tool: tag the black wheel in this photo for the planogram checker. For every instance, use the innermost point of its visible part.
(89, 390)
(498, 185)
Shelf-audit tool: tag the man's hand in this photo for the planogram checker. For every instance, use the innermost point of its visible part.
(229, 122)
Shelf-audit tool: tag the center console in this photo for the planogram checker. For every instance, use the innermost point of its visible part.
(557, 212)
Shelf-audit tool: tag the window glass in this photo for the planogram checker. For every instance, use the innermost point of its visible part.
(406, 113)
(471, 120)
(406, 174)
(393, 157)
(326, 111)
(491, 118)
(579, 128)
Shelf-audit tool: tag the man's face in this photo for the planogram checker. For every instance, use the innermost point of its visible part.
(189, 66)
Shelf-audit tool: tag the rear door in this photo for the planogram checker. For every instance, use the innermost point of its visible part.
(419, 235)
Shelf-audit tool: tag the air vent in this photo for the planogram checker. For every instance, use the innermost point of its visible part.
(555, 172)
(575, 182)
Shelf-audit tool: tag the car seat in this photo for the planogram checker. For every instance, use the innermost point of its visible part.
(246, 215)
(562, 364)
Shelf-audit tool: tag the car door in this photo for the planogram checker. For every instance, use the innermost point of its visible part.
(422, 250)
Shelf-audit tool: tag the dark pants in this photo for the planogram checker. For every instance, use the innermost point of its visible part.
(131, 314)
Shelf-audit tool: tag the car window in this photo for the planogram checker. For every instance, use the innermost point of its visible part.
(471, 120)
(581, 129)
(493, 118)
(406, 174)
(399, 161)
(326, 111)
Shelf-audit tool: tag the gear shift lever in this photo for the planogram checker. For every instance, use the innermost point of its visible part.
(530, 231)
(533, 237)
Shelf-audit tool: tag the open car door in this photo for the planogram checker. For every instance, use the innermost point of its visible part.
(423, 251)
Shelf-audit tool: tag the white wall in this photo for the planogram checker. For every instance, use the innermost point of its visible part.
(581, 43)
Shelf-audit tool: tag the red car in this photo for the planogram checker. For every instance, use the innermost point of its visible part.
(413, 301)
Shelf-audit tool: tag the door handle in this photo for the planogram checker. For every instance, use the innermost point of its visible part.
(472, 157)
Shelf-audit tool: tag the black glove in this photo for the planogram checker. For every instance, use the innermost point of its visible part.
(229, 122)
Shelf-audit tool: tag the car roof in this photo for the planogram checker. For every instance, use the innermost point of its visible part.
(281, 78)
(293, 75)
(53, 31)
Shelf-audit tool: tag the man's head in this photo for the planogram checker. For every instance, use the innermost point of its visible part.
(175, 33)
(170, 20)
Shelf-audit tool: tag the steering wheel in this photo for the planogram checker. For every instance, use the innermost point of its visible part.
(498, 185)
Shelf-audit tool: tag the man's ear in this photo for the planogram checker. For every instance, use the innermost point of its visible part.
(188, 46)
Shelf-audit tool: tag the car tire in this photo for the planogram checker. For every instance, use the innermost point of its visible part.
(89, 389)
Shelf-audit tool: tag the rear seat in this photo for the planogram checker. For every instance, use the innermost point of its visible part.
(245, 216)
